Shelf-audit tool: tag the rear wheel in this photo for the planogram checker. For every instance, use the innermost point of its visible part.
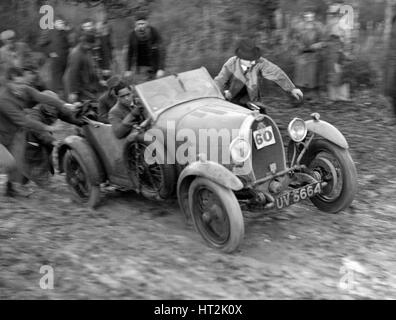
(335, 166)
(216, 214)
(78, 181)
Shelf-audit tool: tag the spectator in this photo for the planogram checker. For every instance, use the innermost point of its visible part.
(146, 53)
(81, 81)
(309, 36)
(56, 44)
(104, 34)
(335, 56)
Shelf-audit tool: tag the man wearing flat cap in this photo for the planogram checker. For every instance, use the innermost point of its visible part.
(239, 76)
(146, 53)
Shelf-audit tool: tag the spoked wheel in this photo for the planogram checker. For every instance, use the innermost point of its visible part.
(335, 166)
(77, 178)
(154, 179)
(216, 214)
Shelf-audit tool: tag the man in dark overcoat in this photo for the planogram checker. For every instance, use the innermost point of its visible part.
(56, 44)
(81, 77)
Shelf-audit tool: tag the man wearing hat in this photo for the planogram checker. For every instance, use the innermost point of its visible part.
(108, 99)
(239, 76)
(146, 54)
(81, 80)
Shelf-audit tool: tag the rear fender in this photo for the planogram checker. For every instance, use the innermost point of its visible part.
(87, 154)
(327, 131)
(206, 169)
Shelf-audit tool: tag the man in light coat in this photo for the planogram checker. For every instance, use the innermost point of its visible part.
(239, 76)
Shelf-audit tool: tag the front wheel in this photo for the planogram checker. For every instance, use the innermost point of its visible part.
(335, 166)
(216, 214)
(82, 189)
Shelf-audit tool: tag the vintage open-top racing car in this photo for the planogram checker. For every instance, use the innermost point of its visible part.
(214, 155)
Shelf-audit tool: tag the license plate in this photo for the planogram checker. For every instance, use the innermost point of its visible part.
(297, 195)
(264, 137)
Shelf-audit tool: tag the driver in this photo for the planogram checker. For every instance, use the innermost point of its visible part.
(126, 113)
(239, 76)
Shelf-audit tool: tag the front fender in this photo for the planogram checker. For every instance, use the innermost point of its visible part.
(87, 154)
(327, 131)
(209, 170)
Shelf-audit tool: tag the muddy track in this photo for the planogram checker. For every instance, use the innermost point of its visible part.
(133, 248)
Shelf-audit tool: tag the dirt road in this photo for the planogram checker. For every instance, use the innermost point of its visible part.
(132, 248)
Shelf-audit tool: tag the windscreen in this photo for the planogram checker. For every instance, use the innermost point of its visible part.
(162, 93)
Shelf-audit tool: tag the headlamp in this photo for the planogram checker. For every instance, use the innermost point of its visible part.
(240, 150)
(297, 130)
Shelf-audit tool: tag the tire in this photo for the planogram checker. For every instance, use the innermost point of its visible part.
(335, 165)
(156, 181)
(218, 198)
(83, 190)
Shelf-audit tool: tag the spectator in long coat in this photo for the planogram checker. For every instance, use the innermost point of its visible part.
(309, 36)
(104, 34)
(146, 52)
(335, 56)
(56, 44)
(81, 77)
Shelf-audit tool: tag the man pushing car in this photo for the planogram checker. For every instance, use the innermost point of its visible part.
(239, 76)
